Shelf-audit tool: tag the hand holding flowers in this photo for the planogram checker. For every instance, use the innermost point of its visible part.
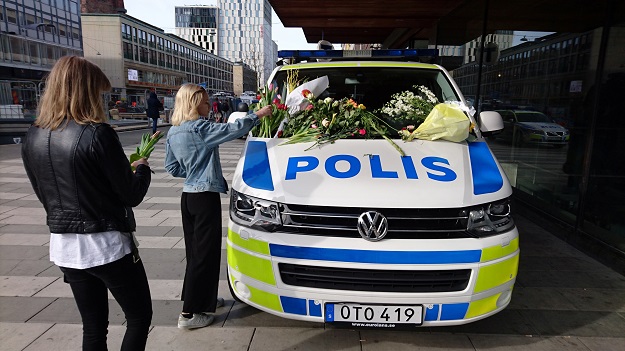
(269, 125)
(148, 143)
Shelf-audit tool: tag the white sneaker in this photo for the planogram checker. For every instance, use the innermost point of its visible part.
(220, 302)
(199, 320)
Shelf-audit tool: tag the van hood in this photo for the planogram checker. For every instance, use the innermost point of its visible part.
(371, 173)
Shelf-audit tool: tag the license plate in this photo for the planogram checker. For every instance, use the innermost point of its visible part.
(376, 316)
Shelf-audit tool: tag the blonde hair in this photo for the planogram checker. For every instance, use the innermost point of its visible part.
(73, 91)
(188, 99)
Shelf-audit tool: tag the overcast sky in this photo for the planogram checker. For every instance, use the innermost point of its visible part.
(161, 14)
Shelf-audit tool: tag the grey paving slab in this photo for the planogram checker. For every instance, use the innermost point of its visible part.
(165, 270)
(62, 337)
(16, 336)
(52, 271)
(589, 299)
(161, 255)
(27, 229)
(24, 267)
(523, 343)
(24, 239)
(304, 339)
(21, 309)
(508, 322)
(541, 263)
(576, 323)
(23, 285)
(385, 340)
(158, 231)
(242, 315)
(21, 252)
(603, 344)
(539, 298)
(569, 279)
(64, 310)
(165, 312)
(174, 339)
(175, 231)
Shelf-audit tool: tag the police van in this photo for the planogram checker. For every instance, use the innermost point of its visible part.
(352, 233)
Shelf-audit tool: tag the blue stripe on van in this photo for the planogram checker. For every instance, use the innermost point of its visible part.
(453, 311)
(293, 305)
(369, 256)
(486, 175)
(314, 309)
(431, 314)
(256, 169)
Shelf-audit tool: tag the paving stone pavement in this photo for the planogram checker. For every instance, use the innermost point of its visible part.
(562, 300)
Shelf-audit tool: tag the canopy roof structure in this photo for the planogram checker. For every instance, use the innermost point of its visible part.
(395, 23)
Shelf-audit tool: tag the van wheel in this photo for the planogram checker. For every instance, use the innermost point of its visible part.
(234, 296)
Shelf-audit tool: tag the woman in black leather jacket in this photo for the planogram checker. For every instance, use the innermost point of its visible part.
(81, 175)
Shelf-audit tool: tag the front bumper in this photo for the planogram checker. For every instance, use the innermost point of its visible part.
(254, 260)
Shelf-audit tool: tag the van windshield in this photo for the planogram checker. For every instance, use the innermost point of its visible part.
(373, 86)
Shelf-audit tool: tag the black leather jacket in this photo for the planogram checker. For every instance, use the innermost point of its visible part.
(83, 178)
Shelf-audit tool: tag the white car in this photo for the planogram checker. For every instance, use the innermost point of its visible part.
(532, 127)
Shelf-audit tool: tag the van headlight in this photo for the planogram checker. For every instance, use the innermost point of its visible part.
(490, 219)
(255, 213)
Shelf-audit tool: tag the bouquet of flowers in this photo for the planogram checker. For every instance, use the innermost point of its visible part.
(148, 143)
(269, 124)
(325, 121)
(408, 109)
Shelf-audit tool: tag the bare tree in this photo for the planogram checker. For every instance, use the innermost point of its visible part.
(254, 58)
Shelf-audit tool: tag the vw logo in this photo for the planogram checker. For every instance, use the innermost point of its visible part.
(372, 226)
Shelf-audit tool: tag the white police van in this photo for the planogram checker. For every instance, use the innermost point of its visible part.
(352, 233)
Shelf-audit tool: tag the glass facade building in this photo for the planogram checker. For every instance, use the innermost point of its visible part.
(33, 35)
(245, 34)
(198, 24)
(575, 80)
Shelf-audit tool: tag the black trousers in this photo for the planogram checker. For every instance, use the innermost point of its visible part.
(154, 125)
(128, 283)
(201, 223)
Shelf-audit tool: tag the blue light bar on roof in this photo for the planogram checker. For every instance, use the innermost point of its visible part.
(391, 53)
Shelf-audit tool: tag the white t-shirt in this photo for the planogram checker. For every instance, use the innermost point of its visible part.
(81, 251)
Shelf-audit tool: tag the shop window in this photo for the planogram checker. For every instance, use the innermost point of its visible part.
(34, 53)
(17, 49)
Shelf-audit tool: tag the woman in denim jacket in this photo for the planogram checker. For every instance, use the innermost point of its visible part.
(192, 152)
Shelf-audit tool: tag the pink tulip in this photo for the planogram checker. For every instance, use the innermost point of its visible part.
(362, 132)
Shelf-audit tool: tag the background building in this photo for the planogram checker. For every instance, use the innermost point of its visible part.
(198, 24)
(244, 78)
(33, 35)
(138, 57)
(245, 34)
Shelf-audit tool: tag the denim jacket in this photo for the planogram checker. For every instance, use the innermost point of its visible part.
(192, 151)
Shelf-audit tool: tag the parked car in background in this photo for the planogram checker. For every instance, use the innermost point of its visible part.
(532, 127)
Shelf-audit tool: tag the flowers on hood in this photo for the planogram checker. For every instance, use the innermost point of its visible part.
(410, 106)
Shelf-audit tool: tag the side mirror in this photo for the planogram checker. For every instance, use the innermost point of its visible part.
(490, 121)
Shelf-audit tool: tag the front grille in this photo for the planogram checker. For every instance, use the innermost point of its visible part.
(402, 223)
(555, 133)
(402, 281)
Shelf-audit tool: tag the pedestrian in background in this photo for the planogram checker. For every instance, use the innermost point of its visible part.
(225, 108)
(192, 152)
(153, 111)
(81, 175)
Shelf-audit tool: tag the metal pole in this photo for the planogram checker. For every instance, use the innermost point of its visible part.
(480, 60)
